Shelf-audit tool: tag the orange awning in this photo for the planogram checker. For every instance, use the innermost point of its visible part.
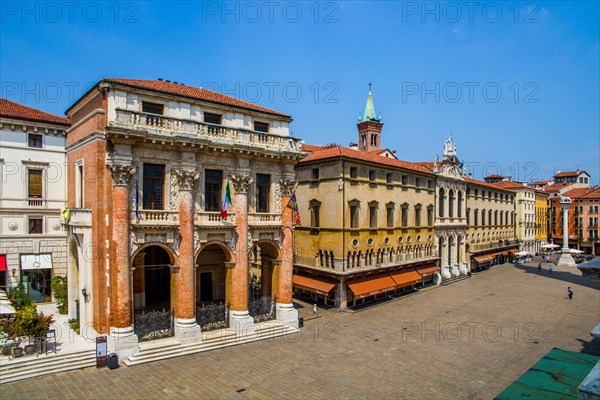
(371, 285)
(313, 284)
(427, 269)
(406, 277)
(513, 251)
(484, 258)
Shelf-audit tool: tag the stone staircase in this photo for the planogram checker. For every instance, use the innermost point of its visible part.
(16, 370)
(454, 279)
(170, 348)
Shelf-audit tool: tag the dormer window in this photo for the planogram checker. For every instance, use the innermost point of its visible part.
(152, 108)
(211, 118)
(261, 127)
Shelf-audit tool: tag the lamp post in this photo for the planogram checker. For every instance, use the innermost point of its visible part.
(566, 259)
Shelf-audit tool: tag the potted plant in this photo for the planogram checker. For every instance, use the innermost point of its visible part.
(60, 291)
(28, 322)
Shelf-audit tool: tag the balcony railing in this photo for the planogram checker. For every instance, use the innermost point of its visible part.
(264, 218)
(226, 135)
(35, 202)
(213, 218)
(155, 217)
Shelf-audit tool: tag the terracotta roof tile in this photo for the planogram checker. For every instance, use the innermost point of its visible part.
(568, 173)
(310, 148)
(339, 151)
(494, 176)
(510, 185)
(192, 92)
(588, 193)
(485, 184)
(10, 109)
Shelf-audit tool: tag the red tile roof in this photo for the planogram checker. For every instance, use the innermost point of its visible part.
(10, 109)
(485, 184)
(568, 173)
(192, 92)
(494, 176)
(339, 151)
(557, 186)
(587, 193)
(310, 148)
(426, 164)
(510, 185)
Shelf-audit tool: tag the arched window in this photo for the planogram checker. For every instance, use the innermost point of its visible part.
(451, 203)
(460, 204)
(483, 217)
(442, 201)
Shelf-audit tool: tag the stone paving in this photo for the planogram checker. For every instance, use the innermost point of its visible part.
(468, 340)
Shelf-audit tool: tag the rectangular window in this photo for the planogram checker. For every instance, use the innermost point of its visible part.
(417, 215)
(354, 216)
(34, 140)
(211, 118)
(429, 216)
(389, 177)
(315, 174)
(152, 108)
(373, 216)
(404, 216)
(80, 189)
(404, 179)
(315, 213)
(153, 186)
(372, 175)
(353, 172)
(36, 225)
(430, 184)
(263, 185)
(34, 181)
(213, 181)
(261, 127)
(390, 216)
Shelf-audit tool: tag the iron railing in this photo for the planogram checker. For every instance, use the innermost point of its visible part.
(154, 325)
(212, 316)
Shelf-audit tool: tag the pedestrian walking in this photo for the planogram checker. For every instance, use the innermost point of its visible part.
(550, 268)
(540, 267)
(570, 292)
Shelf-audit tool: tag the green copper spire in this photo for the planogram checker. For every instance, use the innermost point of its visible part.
(369, 114)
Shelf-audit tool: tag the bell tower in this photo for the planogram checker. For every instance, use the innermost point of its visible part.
(369, 127)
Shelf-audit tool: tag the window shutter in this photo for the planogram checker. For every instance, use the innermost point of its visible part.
(35, 183)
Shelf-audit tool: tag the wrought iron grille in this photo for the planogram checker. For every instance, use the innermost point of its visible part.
(212, 316)
(262, 308)
(154, 325)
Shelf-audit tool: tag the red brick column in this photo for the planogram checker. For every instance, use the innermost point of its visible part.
(239, 298)
(286, 313)
(121, 296)
(186, 328)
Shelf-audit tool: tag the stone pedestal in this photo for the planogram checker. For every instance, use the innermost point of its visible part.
(463, 269)
(566, 259)
(123, 341)
(187, 330)
(241, 322)
(446, 272)
(287, 315)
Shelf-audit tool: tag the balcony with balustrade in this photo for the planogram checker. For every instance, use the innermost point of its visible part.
(170, 128)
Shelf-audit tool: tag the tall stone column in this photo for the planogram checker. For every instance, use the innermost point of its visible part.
(566, 259)
(122, 340)
(286, 313)
(186, 328)
(239, 318)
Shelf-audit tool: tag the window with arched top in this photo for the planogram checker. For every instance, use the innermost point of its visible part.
(442, 201)
(451, 203)
(460, 204)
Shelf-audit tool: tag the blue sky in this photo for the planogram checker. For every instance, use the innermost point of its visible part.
(516, 82)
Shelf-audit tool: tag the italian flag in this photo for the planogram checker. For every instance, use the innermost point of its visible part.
(226, 202)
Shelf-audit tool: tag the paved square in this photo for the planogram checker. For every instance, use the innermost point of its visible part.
(468, 340)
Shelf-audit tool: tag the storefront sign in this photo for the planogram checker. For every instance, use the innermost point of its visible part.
(36, 261)
(101, 350)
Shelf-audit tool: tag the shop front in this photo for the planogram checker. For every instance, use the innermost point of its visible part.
(36, 276)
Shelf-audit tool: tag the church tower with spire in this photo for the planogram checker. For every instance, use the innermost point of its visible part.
(369, 127)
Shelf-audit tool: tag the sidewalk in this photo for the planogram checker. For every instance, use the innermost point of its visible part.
(67, 340)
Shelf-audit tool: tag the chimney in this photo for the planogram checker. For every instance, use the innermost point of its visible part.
(160, 79)
(353, 146)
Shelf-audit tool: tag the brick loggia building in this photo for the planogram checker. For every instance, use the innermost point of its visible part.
(151, 159)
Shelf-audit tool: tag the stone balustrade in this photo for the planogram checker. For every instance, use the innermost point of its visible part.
(264, 218)
(220, 134)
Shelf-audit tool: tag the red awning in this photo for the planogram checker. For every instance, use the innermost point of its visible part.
(427, 269)
(3, 262)
(406, 277)
(371, 285)
(313, 284)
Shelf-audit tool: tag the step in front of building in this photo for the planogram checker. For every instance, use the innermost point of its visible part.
(454, 279)
(17, 370)
(211, 341)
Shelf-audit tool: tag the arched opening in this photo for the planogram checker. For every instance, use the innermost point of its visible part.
(152, 279)
(262, 282)
(451, 203)
(211, 275)
(442, 201)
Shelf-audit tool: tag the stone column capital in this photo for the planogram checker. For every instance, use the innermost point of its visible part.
(185, 179)
(241, 183)
(122, 174)
(287, 186)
